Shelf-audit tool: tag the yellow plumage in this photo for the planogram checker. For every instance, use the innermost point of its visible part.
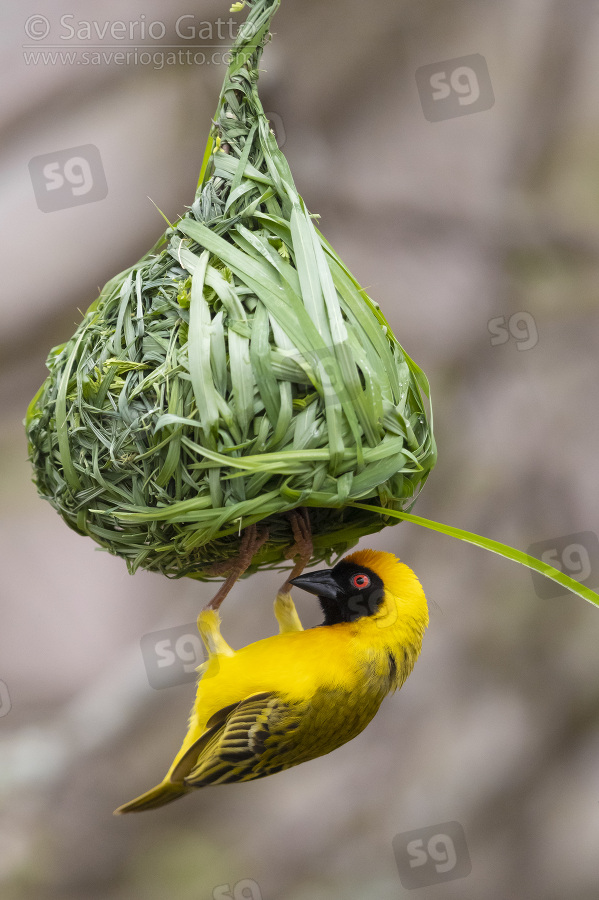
(299, 694)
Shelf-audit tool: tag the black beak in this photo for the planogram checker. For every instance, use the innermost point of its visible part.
(320, 583)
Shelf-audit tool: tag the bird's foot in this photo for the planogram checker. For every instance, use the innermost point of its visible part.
(251, 541)
(302, 546)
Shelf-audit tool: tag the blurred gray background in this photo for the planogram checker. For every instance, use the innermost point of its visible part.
(491, 216)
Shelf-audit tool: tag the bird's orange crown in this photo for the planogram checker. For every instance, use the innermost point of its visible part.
(399, 579)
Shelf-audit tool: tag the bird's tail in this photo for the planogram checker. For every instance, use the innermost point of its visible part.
(165, 792)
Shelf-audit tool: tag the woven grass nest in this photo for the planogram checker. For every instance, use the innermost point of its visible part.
(236, 372)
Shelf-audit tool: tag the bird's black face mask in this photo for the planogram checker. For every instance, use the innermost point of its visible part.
(346, 593)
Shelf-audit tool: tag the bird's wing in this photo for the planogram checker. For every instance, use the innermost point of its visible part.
(245, 740)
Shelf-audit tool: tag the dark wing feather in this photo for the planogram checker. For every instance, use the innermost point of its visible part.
(214, 726)
(247, 740)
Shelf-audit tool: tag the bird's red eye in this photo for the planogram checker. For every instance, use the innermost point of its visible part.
(360, 581)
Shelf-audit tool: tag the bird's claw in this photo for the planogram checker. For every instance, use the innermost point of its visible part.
(251, 541)
(302, 546)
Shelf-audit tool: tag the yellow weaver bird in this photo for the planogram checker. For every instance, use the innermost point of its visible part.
(299, 694)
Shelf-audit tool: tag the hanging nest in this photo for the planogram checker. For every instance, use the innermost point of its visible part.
(236, 372)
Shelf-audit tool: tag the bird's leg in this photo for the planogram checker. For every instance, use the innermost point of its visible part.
(302, 546)
(286, 614)
(209, 628)
(251, 541)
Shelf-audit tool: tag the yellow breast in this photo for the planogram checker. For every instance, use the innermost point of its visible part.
(374, 654)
